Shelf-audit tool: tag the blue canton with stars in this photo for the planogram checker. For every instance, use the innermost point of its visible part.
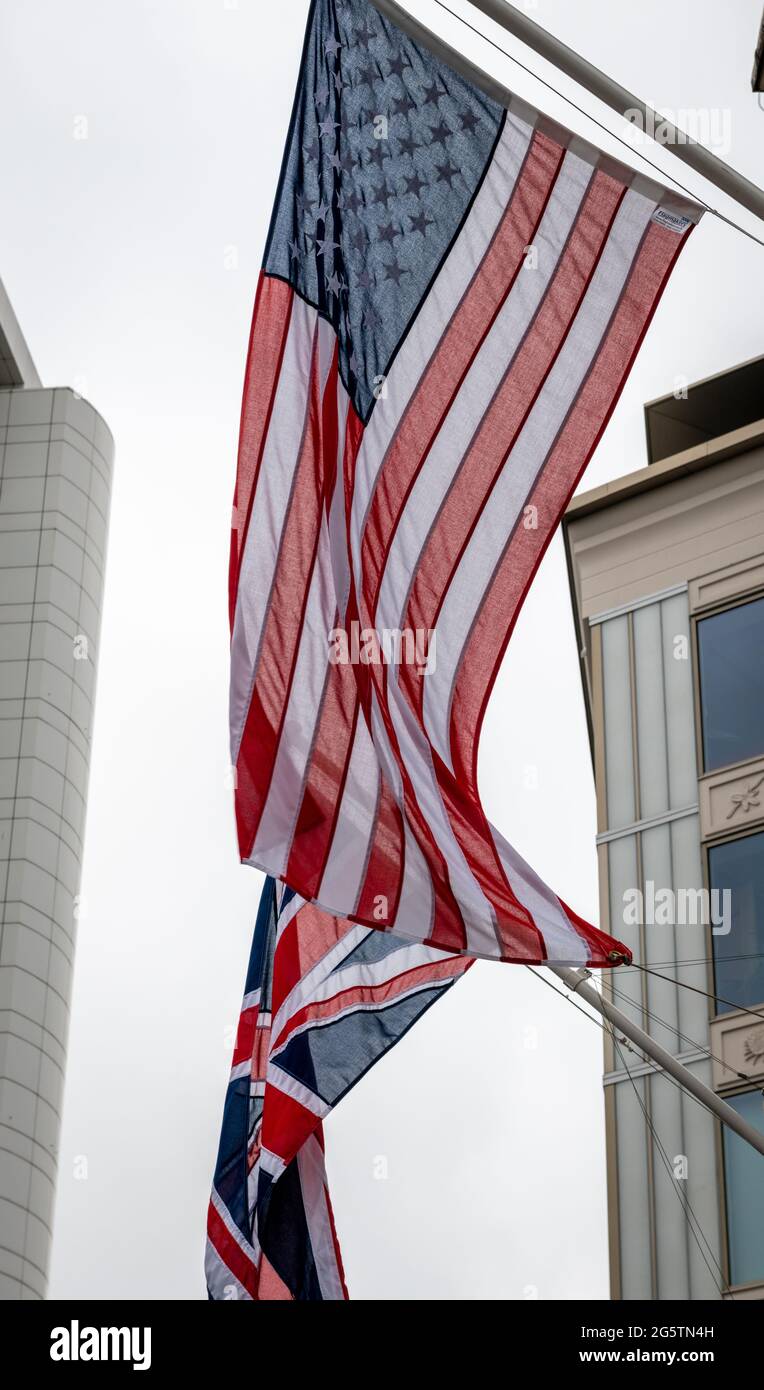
(386, 150)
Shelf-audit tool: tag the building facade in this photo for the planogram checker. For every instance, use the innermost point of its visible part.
(667, 576)
(56, 458)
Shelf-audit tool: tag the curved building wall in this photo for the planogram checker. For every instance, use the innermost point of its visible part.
(56, 457)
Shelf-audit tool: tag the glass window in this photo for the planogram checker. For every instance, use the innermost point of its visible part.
(744, 1178)
(738, 869)
(731, 660)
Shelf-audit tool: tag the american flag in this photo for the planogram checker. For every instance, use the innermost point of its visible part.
(324, 1000)
(453, 294)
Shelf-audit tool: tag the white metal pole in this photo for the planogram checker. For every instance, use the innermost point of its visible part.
(577, 981)
(618, 98)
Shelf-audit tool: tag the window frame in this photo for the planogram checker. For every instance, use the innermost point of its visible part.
(744, 833)
(697, 617)
(740, 1089)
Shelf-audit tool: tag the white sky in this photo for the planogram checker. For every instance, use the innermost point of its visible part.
(116, 252)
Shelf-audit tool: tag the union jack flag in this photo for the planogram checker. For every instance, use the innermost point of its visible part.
(324, 1000)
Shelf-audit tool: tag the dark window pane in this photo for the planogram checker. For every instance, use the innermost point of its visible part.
(744, 1175)
(731, 656)
(739, 962)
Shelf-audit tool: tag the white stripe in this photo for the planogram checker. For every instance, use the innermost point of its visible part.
(372, 974)
(272, 1164)
(416, 902)
(304, 990)
(416, 891)
(270, 504)
(345, 867)
(253, 1180)
(285, 1083)
(328, 594)
(337, 527)
(373, 1007)
(221, 1281)
(231, 1227)
(469, 581)
(476, 910)
(562, 942)
(312, 1169)
(287, 913)
(474, 906)
(277, 823)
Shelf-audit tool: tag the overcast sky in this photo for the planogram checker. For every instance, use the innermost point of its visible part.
(131, 259)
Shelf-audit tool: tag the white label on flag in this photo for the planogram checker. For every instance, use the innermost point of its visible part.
(673, 220)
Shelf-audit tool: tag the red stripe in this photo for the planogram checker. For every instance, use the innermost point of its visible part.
(245, 1036)
(473, 834)
(380, 892)
(599, 943)
(376, 906)
(378, 898)
(449, 930)
(353, 441)
(445, 373)
(325, 781)
(438, 972)
(329, 762)
(265, 354)
(230, 1252)
(303, 942)
(286, 1124)
(270, 1286)
(386, 845)
(334, 718)
(284, 621)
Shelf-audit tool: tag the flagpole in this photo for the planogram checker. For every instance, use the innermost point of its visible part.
(576, 981)
(620, 99)
(596, 82)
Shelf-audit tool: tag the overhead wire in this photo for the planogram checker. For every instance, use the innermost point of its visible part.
(708, 960)
(656, 1018)
(693, 1223)
(741, 1008)
(544, 82)
(645, 1061)
(606, 1026)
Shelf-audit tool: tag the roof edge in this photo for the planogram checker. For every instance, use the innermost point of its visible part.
(13, 345)
(666, 470)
